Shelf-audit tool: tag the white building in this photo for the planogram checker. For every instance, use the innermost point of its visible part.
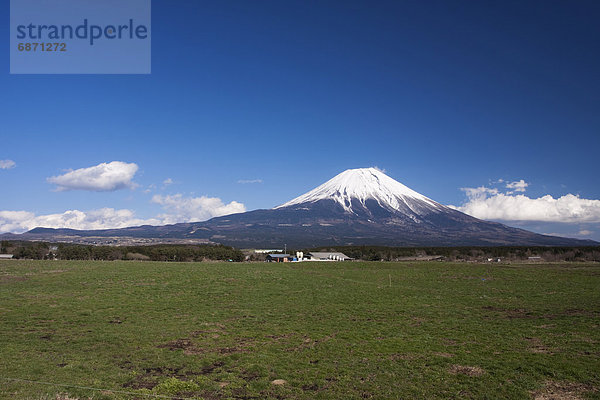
(327, 256)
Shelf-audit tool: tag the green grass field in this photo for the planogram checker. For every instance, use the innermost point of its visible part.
(329, 330)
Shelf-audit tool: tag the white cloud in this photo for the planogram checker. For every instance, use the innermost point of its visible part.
(7, 164)
(581, 234)
(177, 209)
(190, 209)
(517, 186)
(479, 192)
(247, 181)
(168, 182)
(104, 177)
(382, 170)
(104, 218)
(150, 188)
(488, 203)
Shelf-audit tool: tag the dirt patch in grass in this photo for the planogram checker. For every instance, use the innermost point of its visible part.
(150, 377)
(466, 370)
(211, 367)
(309, 343)
(141, 382)
(249, 375)
(561, 391)
(242, 345)
(578, 312)
(417, 321)
(407, 356)
(441, 354)
(314, 387)
(11, 279)
(449, 342)
(589, 353)
(232, 350)
(537, 346)
(184, 344)
(512, 313)
(206, 341)
(278, 338)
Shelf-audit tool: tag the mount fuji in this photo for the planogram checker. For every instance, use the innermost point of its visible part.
(357, 207)
(366, 191)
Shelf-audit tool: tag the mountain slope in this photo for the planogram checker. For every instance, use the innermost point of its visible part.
(358, 206)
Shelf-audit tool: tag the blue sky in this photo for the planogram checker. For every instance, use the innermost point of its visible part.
(442, 95)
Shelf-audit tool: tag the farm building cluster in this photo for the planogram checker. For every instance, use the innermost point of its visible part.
(312, 256)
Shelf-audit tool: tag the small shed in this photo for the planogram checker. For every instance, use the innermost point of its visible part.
(279, 258)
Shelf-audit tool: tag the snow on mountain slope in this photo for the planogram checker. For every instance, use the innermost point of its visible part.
(364, 184)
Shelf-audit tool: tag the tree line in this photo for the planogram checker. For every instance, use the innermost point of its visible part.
(177, 252)
(163, 252)
(382, 253)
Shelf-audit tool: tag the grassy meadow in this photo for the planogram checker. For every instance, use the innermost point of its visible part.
(352, 330)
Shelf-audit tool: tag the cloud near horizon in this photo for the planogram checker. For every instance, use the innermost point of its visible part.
(177, 207)
(103, 218)
(7, 164)
(191, 209)
(488, 203)
(104, 177)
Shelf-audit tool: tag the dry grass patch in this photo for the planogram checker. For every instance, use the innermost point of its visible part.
(536, 346)
(466, 370)
(11, 278)
(406, 357)
(181, 344)
(561, 391)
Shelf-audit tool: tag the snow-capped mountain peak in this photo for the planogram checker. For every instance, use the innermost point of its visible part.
(362, 184)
